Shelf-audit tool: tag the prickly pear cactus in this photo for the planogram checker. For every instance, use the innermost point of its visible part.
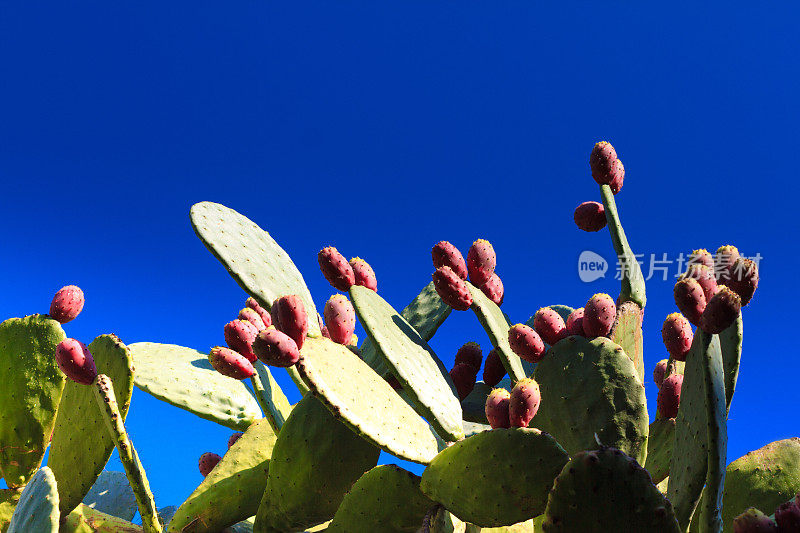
(37, 509)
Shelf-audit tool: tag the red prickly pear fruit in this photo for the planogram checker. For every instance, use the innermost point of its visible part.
(743, 279)
(289, 316)
(75, 361)
(497, 408)
(263, 313)
(754, 521)
(276, 348)
(230, 363)
(724, 259)
(340, 318)
(677, 336)
(590, 216)
(787, 516)
(67, 304)
(239, 336)
(659, 372)
(463, 376)
(207, 463)
(452, 289)
(493, 289)
(601, 162)
(253, 317)
(392, 381)
(445, 254)
(669, 396)
(705, 277)
(721, 311)
(364, 275)
(336, 269)
(524, 402)
(617, 176)
(325, 332)
(701, 256)
(599, 314)
(481, 261)
(549, 325)
(493, 369)
(233, 438)
(690, 299)
(471, 354)
(525, 342)
(575, 322)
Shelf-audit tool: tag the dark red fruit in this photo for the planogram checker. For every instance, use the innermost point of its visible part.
(575, 322)
(463, 376)
(524, 402)
(481, 261)
(207, 463)
(289, 316)
(493, 289)
(275, 348)
(493, 369)
(75, 361)
(602, 161)
(526, 343)
(67, 304)
(721, 311)
(230, 363)
(690, 299)
(471, 354)
(590, 216)
(669, 396)
(336, 269)
(239, 336)
(677, 336)
(743, 279)
(549, 325)
(445, 254)
(452, 289)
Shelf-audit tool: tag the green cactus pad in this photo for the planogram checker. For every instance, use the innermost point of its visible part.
(591, 391)
(251, 256)
(605, 490)
(184, 378)
(386, 499)
(528, 526)
(425, 313)
(84, 519)
(8, 500)
(627, 332)
(660, 439)
(689, 468)
(497, 477)
(423, 376)
(730, 342)
(496, 325)
(364, 401)
(113, 495)
(440, 520)
(633, 289)
(37, 509)
(74, 462)
(273, 401)
(315, 461)
(233, 489)
(29, 395)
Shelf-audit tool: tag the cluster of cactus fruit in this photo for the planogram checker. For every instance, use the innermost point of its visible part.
(555, 437)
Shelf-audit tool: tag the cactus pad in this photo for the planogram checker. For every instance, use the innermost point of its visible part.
(591, 391)
(113, 495)
(496, 325)
(605, 490)
(184, 378)
(77, 466)
(273, 401)
(29, 395)
(8, 500)
(84, 519)
(387, 498)
(364, 401)
(627, 332)
(306, 483)
(258, 264)
(412, 362)
(730, 342)
(633, 289)
(496, 477)
(659, 448)
(233, 489)
(37, 509)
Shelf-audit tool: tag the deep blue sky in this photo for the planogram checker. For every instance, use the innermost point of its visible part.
(381, 130)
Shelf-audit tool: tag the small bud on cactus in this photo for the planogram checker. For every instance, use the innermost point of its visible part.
(617, 176)
(493, 369)
(743, 279)
(575, 322)
(599, 315)
(690, 299)
(336, 269)
(445, 254)
(75, 361)
(754, 521)
(590, 216)
(471, 354)
(602, 162)
(67, 304)
(207, 463)
(263, 313)
(275, 348)
(701, 256)
(253, 317)
(721, 311)
(724, 259)
(787, 516)
(526, 343)
(233, 438)
(452, 289)
(230, 363)
(364, 275)
(705, 277)
(524, 402)
(481, 261)
(289, 316)
(353, 342)
(677, 336)
(239, 336)
(493, 289)
(669, 396)
(340, 318)
(659, 372)
(463, 376)
(549, 325)
(497, 408)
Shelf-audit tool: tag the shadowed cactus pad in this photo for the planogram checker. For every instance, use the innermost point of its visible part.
(113, 495)
(37, 509)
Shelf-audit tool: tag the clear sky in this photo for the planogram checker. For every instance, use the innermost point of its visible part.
(382, 129)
